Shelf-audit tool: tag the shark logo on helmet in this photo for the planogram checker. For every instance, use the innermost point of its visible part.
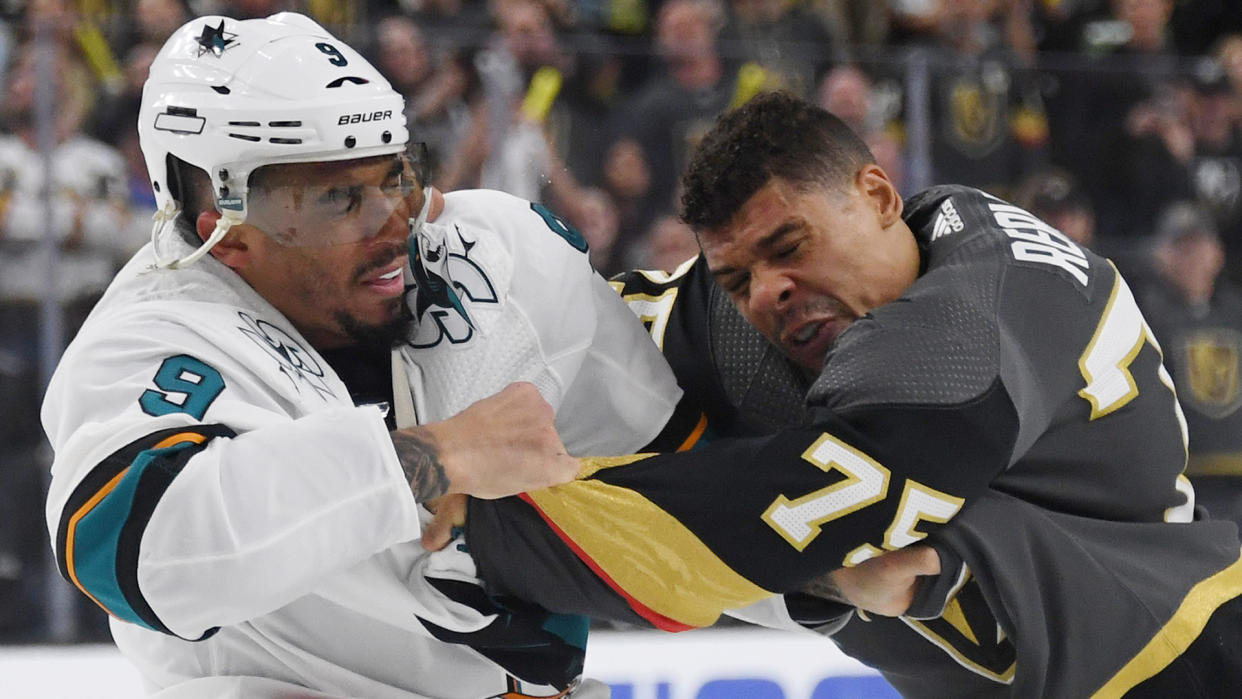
(215, 40)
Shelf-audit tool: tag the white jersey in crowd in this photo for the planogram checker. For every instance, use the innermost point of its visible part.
(213, 478)
(89, 215)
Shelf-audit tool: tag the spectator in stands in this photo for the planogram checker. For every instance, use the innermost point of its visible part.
(1131, 61)
(668, 244)
(156, 20)
(1215, 167)
(1055, 196)
(595, 217)
(1196, 25)
(787, 40)
(1228, 53)
(669, 113)
(522, 70)
(77, 88)
(87, 216)
(627, 178)
(855, 22)
(847, 92)
(990, 129)
(443, 100)
(1147, 160)
(89, 201)
(1197, 317)
(451, 26)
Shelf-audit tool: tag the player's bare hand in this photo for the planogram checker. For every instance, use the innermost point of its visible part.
(884, 585)
(450, 512)
(502, 445)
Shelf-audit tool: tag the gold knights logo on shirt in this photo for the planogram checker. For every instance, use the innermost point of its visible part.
(1210, 361)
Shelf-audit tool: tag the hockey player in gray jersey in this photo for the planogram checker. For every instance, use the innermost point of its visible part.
(973, 380)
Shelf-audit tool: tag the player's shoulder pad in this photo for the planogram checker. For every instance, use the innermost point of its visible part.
(525, 228)
(950, 211)
(234, 339)
(656, 281)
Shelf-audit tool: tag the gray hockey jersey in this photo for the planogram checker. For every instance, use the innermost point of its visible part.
(1011, 408)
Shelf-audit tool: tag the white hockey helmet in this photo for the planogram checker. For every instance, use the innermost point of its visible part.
(231, 96)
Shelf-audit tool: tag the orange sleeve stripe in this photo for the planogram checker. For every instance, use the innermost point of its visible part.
(71, 534)
(71, 531)
(695, 435)
(192, 437)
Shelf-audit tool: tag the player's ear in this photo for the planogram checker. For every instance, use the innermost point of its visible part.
(232, 249)
(879, 189)
(437, 204)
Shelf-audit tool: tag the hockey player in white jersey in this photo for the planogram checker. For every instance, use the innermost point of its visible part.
(228, 483)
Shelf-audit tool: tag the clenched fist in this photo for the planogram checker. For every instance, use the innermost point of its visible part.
(501, 445)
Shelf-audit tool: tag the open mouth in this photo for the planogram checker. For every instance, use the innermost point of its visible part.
(807, 344)
(806, 333)
(389, 283)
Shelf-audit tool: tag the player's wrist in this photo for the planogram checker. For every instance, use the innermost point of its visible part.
(418, 452)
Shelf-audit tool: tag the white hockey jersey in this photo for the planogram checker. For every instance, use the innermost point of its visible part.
(213, 480)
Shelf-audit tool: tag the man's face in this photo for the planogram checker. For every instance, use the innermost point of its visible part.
(803, 262)
(336, 292)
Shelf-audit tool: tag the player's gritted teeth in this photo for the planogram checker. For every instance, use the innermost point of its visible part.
(807, 341)
(388, 280)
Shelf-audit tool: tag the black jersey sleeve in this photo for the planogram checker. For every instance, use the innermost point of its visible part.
(683, 537)
(678, 538)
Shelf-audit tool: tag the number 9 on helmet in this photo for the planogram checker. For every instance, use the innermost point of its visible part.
(229, 96)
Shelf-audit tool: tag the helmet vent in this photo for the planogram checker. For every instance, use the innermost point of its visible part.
(279, 124)
(244, 137)
(286, 141)
(244, 123)
(222, 89)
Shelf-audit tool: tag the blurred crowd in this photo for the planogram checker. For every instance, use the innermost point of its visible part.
(1117, 121)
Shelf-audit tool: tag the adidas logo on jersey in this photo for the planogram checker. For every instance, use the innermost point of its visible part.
(947, 221)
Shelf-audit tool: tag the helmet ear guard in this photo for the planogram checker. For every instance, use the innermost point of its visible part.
(228, 97)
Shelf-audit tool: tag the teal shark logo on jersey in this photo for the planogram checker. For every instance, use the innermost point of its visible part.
(445, 282)
(429, 265)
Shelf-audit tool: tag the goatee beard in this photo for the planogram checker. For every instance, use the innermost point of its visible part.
(385, 336)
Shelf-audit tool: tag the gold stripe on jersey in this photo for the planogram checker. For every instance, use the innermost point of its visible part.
(1005, 677)
(85, 509)
(590, 465)
(1176, 636)
(1215, 464)
(663, 567)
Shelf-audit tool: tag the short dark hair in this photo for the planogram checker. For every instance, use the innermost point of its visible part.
(774, 135)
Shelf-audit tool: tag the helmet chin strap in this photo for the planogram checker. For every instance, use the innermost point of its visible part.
(419, 221)
(166, 216)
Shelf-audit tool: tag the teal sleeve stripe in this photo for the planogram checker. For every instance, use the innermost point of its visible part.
(571, 628)
(98, 537)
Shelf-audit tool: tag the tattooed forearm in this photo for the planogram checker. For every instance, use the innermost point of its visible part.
(420, 459)
(824, 586)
